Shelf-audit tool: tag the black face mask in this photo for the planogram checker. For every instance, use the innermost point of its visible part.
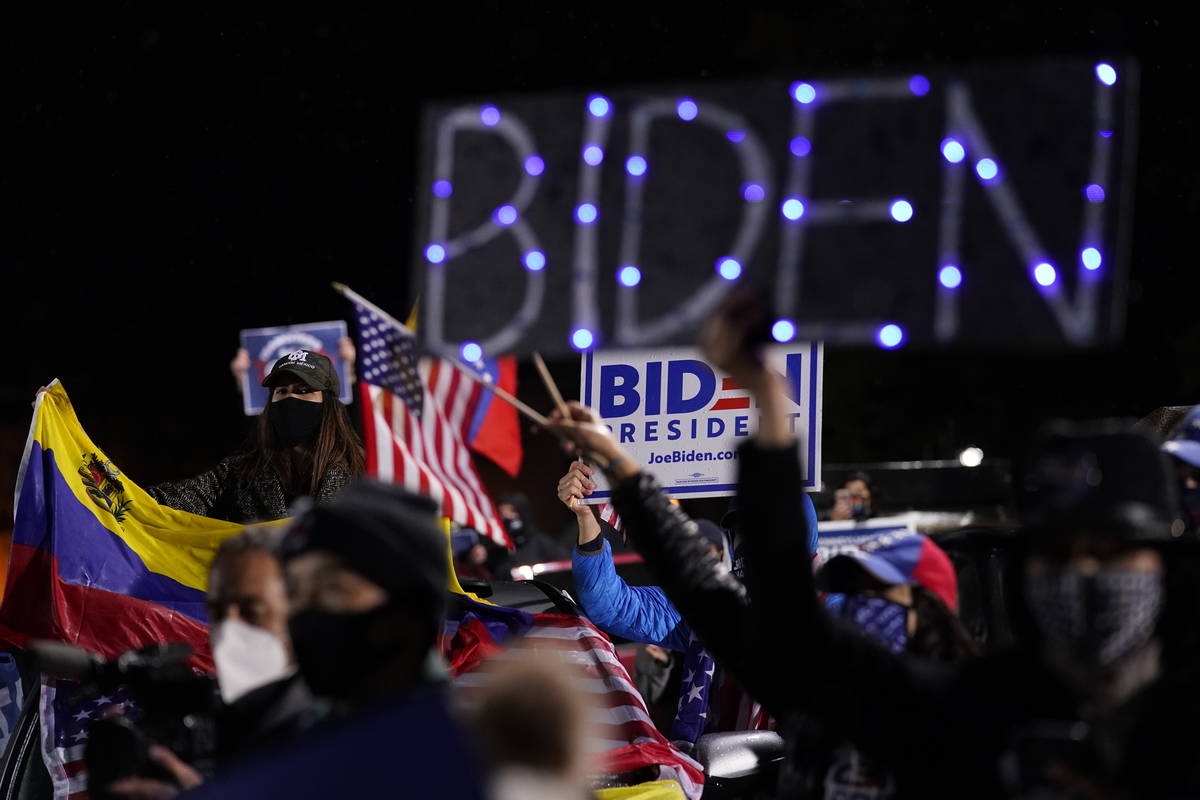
(333, 651)
(295, 420)
(516, 530)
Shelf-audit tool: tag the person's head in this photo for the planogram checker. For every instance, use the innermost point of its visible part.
(530, 718)
(858, 490)
(517, 516)
(1097, 507)
(366, 580)
(1183, 445)
(900, 589)
(304, 417)
(711, 532)
(247, 613)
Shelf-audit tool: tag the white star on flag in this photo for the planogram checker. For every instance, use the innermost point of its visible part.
(694, 692)
(82, 715)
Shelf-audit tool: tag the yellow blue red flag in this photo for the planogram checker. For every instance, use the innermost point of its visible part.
(96, 562)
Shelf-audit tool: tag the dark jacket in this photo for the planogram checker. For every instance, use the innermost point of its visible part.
(266, 717)
(941, 731)
(219, 494)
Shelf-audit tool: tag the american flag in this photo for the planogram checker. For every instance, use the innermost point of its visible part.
(416, 416)
(609, 514)
(65, 718)
(624, 739)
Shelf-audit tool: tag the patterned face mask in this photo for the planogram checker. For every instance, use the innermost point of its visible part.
(880, 619)
(1097, 619)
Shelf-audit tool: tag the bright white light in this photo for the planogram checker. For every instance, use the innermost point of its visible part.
(971, 457)
(471, 352)
(1106, 74)
(953, 151)
(804, 92)
(902, 211)
(986, 168)
(535, 260)
(593, 155)
(729, 268)
(435, 254)
(687, 109)
(1045, 274)
(793, 208)
(635, 166)
(1091, 258)
(582, 339)
(783, 330)
(598, 106)
(630, 276)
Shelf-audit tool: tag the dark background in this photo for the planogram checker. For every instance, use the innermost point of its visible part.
(169, 175)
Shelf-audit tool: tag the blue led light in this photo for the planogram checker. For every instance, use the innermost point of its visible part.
(890, 336)
(593, 154)
(1106, 74)
(953, 151)
(471, 352)
(1094, 193)
(586, 213)
(534, 165)
(986, 169)
(1091, 258)
(489, 115)
(901, 211)
(800, 146)
(735, 136)
(635, 166)
(918, 85)
(792, 208)
(1106, 134)
(687, 109)
(729, 268)
(753, 193)
(598, 105)
(582, 339)
(535, 260)
(1045, 274)
(506, 215)
(442, 188)
(804, 92)
(435, 254)
(950, 276)
(629, 276)
(783, 330)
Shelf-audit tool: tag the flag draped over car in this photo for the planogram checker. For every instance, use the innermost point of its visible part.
(96, 562)
(417, 415)
(624, 741)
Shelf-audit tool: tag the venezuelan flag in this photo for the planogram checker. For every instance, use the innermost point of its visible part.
(96, 562)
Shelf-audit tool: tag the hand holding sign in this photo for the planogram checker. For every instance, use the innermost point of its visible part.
(576, 485)
(584, 435)
(733, 338)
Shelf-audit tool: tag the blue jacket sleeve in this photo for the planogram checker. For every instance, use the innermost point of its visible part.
(810, 523)
(638, 613)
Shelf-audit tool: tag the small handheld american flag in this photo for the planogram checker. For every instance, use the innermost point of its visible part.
(416, 417)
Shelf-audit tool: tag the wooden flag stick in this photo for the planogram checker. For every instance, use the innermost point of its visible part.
(484, 381)
(551, 387)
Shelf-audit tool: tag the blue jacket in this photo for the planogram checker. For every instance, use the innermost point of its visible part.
(640, 613)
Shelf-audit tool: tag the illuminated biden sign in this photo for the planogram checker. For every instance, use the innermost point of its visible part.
(974, 207)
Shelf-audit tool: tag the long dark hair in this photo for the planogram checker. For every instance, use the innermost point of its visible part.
(940, 634)
(301, 470)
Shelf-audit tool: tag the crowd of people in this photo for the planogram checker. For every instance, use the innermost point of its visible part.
(325, 632)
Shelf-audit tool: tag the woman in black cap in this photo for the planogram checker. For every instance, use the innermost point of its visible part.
(305, 446)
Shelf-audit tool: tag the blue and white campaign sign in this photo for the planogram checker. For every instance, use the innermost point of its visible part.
(683, 419)
(266, 345)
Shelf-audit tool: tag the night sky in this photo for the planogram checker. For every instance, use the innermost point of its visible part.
(169, 176)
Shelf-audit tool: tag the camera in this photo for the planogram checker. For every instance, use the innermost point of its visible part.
(169, 705)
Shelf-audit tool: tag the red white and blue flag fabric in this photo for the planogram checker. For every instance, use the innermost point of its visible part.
(65, 718)
(417, 416)
(494, 430)
(624, 738)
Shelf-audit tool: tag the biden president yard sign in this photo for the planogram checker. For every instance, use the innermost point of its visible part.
(683, 420)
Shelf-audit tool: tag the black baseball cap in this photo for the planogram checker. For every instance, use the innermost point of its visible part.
(315, 369)
(1098, 476)
(382, 531)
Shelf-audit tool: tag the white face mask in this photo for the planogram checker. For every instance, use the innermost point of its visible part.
(246, 657)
